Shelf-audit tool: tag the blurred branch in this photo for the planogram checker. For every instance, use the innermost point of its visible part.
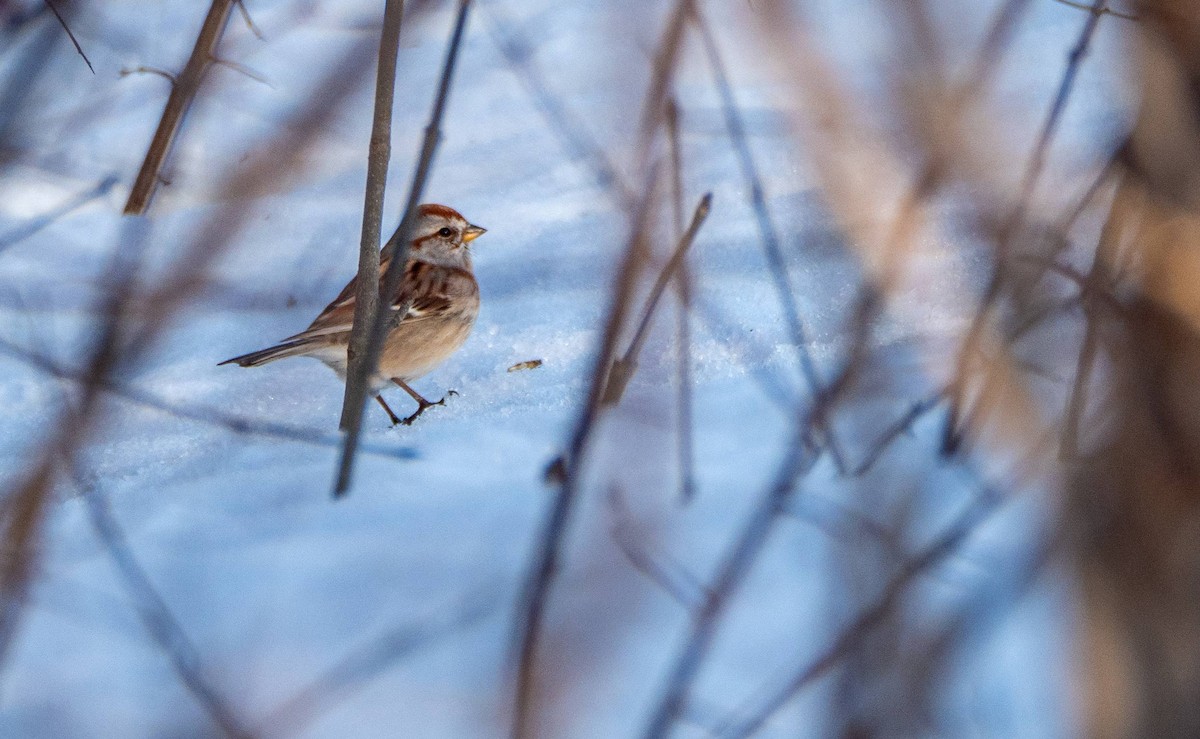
(27, 68)
(572, 133)
(666, 60)
(900, 427)
(183, 91)
(801, 454)
(1098, 283)
(33, 225)
(363, 664)
(1096, 9)
(745, 722)
(118, 344)
(768, 235)
(366, 297)
(683, 284)
(532, 606)
(198, 414)
(397, 249)
(881, 251)
(63, 22)
(1008, 231)
(24, 507)
(624, 367)
(669, 575)
(154, 612)
(933, 657)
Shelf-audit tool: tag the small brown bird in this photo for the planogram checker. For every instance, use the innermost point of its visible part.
(434, 308)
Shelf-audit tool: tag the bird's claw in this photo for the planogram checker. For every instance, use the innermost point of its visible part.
(421, 409)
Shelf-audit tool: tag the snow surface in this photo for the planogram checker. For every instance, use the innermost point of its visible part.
(274, 583)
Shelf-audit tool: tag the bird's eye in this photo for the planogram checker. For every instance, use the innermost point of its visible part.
(446, 232)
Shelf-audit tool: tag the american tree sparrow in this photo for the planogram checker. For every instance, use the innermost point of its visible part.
(433, 311)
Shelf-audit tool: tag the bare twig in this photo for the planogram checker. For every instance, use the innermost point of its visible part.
(149, 70)
(624, 367)
(187, 84)
(397, 250)
(366, 297)
(63, 22)
(241, 6)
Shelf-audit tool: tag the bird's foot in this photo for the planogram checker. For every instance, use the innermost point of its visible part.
(423, 404)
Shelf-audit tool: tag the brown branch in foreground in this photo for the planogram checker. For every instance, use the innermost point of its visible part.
(118, 345)
(379, 152)
(155, 614)
(397, 249)
(187, 84)
(25, 506)
(666, 58)
(624, 367)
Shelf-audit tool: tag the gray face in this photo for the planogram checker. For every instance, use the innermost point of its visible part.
(443, 238)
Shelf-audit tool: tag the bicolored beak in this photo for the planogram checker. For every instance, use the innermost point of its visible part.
(472, 233)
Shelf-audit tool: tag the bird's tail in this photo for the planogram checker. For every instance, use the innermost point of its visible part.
(270, 354)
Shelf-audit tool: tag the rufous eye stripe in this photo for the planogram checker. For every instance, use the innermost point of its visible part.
(420, 242)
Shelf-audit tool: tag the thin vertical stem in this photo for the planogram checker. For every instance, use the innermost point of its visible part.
(366, 298)
(397, 250)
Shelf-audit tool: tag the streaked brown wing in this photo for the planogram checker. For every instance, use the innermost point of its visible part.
(427, 290)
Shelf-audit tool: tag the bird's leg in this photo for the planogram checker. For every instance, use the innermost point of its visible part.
(391, 415)
(422, 404)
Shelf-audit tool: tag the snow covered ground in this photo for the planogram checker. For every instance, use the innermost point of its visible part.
(274, 584)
